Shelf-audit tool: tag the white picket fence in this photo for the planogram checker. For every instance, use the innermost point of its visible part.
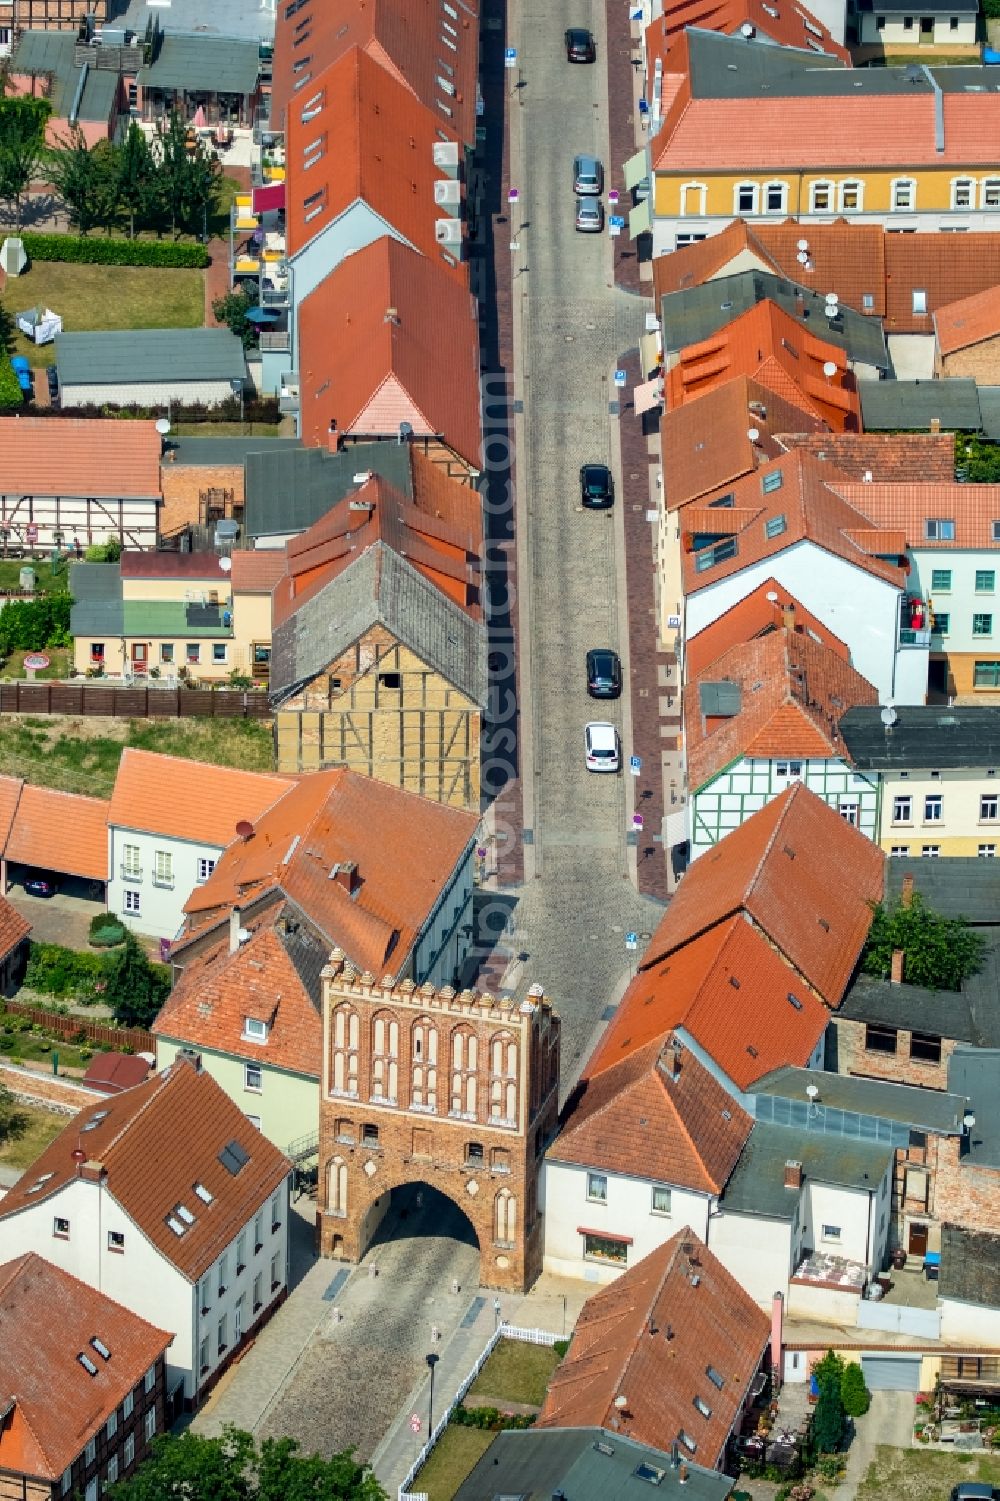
(503, 1331)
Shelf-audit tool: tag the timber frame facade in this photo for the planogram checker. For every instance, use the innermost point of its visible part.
(745, 786)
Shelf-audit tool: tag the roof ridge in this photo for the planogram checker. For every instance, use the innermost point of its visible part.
(678, 1112)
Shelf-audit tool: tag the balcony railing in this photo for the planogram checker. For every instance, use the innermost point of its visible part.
(909, 636)
(131, 872)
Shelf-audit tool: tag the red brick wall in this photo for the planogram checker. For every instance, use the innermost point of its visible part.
(854, 1058)
(964, 1194)
(62, 1094)
(182, 485)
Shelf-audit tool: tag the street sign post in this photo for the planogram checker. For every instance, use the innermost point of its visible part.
(637, 820)
(620, 377)
(635, 765)
(616, 221)
(632, 941)
(513, 195)
(613, 196)
(510, 57)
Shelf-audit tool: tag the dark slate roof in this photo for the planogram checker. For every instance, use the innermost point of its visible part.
(718, 700)
(51, 52)
(957, 887)
(757, 1184)
(696, 313)
(919, 8)
(537, 1463)
(206, 451)
(923, 1109)
(973, 1072)
(989, 407)
(970, 1267)
(970, 1015)
(216, 64)
(909, 405)
(308, 951)
(924, 737)
(288, 492)
(125, 357)
(380, 587)
(98, 609)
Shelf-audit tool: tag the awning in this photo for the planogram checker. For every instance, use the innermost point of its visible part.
(641, 218)
(636, 168)
(625, 1240)
(271, 197)
(648, 395)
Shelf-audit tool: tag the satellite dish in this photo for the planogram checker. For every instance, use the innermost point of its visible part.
(803, 245)
(889, 716)
(771, 597)
(829, 369)
(802, 257)
(746, 30)
(244, 829)
(621, 1401)
(225, 564)
(753, 433)
(812, 1091)
(832, 297)
(163, 426)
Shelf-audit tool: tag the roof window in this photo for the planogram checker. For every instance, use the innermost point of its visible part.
(203, 1193)
(100, 1347)
(794, 1001)
(939, 529)
(87, 1363)
(703, 1407)
(234, 1158)
(95, 1120)
(652, 1474)
(774, 526)
(772, 481)
(716, 1377)
(688, 1442)
(40, 1182)
(183, 1213)
(449, 10)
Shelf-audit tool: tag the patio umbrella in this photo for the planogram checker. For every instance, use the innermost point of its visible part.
(199, 118)
(262, 315)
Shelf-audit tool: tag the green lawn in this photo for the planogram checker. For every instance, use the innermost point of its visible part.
(282, 429)
(923, 1475)
(218, 220)
(89, 297)
(516, 1372)
(60, 662)
(82, 755)
(451, 1460)
(10, 574)
(42, 1126)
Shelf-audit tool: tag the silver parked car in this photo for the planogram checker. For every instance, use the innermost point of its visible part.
(588, 177)
(589, 216)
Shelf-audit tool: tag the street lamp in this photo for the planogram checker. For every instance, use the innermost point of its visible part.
(432, 1361)
(496, 1312)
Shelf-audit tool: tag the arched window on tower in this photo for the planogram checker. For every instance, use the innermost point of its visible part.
(346, 1040)
(423, 1064)
(503, 1078)
(464, 1064)
(336, 1186)
(385, 1058)
(504, 1218)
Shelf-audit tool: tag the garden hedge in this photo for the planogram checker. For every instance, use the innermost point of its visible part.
(11, 395)
(84, 250)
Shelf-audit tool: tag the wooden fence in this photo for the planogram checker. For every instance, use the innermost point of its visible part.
(71, 1026)
(92, 699)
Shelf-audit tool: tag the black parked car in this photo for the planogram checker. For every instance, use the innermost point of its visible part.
(597, 488)
(580, 46)
(604, 673)
(37, 884)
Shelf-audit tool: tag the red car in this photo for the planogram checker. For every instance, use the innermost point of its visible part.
(580, 46)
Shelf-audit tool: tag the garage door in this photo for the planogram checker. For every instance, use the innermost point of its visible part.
(884, 1373)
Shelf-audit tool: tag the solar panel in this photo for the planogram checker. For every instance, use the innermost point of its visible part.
(233, 1157)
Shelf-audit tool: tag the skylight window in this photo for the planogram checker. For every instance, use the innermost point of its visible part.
(87, 1363)
(100, 1347)
(203, 1193)
(794, 1000)
(774, 526)
(716, 1377)
(650, 1473)
(95, 1120)
(40, 1182)
(703, 1407)
(183, 1213)
(688, 1442)
(772, 481)
(175, 1225)
(233, 1157)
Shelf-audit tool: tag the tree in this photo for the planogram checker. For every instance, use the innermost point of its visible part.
(854, 1391)
(22, 140)
(829, 1371)
(84, 179)
(135, 989)
(13, 1120)
(231, 1468)
(939, 951)
(186, 178)
(232, 310)
(828, 1419)
(135, 177)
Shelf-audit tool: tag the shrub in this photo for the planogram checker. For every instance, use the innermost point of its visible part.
(854, 1392)
(11, 395)
(491, 1419)
(54, 970)
(101, 252)
(108, 937)
(136, 988)
(560, 1347)
(102, 920)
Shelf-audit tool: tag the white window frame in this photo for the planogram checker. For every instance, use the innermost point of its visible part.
(768, 188)
(831, 1232)
(899, 851)
(919, 303)
(133, 906)
(966, 187)
(753, 189)
(205, 868)
(989, 187)
(253, 1071)
(896, 188)
(128, 1404)
(987, 852)
(842, 187)
(163, 868)
(898, 814)
(933, 807)
(597, 1194)
(217, 647)
(661, 1188)
(131, 862)
(149, 1423)
(112, 1469)
(700, 189)
(825, 185)
(254, 1030)
(129, 1451)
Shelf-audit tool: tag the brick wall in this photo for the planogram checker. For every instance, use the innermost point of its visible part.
(981, 362)
(182, 485)
(964, 1194)
(63, 1095)
(900, 1067)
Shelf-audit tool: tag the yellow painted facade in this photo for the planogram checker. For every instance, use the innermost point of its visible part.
(382, 711)
(953, 811)
(244, 647)
(858, 193)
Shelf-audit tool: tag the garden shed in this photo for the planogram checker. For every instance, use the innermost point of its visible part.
(150, 367)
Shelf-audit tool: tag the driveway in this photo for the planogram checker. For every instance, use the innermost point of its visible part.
(889, 1420)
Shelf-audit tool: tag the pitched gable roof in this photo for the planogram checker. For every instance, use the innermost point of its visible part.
(390, 337)
(969, 321)
(731, 992)
(357, 134)
(769, 607)
(153, 1144)
(768, 345)
(273, 977)
(792, 692)
(60, 831)
(906, 508)
(100, 458)
(786, 24)
(190, 800)
(881, 458)
(678, 1338)
(327, 822)
(52, 1404)
(799, 872)
(654, 1115)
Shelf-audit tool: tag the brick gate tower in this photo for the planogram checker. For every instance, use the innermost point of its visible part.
(457, 1090)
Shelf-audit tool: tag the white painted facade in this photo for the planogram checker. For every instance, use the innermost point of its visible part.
(33, 520)
(969, 1323)
(147, 1283)
(147, 393)
(863, 610)
(151, 876)
(743, 788)
(961, 584)
(570, 1197)
(955, 810)
(898, 32)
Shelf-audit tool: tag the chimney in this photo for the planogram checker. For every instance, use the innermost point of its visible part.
(391, 315)
(935, 424)
(682, 1475)
(346, 875)
(906, 896)
(896, 973)
(788, 617)
(234, 929)
(672, 1060)
(777, 1337)
(793, 1174)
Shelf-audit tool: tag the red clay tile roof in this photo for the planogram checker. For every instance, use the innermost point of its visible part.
(113, 1072)
(752, 617)
(410, 39)
(798, 871)
(217, 990)
(943, 273)
(906, 509)
(331, 818)
(812, 509)
(968, 321)
(728, 989)
(445, 552)
(76, 456)
(258, 571)
(10, 793)
(651, 1118)
(154, 1143)
(61, 832)
(47, 1319)
(189, 799)
(729, 412)
(377, 144)
(389, 314)
(676, 1336)
(784, 23)
(793, 694)
(766, 343)
(171, 565)
(14, 928)
(925, 458)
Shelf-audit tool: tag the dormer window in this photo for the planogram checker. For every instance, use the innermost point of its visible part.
(254, 1030)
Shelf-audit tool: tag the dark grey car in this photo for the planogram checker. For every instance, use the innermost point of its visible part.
(604, 673)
